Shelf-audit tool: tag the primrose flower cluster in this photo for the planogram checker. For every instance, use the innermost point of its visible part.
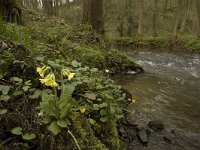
(48, 77)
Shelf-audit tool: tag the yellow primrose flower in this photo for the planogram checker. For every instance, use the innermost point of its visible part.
(82, 110)
(42, 70)
(132, 100)
(70, 76)
(67, 73)
(49, 80)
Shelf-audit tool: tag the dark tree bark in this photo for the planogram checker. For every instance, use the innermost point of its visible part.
(140, 17)
(155, 17)
(93, 14)
(198, 16)
(10, 11)
(185, 15)
(177, 20)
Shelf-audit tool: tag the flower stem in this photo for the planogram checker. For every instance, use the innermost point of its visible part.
(55, 93)
(74, 139)
(62, 85)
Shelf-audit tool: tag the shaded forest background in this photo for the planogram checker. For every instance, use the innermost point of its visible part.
(130, 17)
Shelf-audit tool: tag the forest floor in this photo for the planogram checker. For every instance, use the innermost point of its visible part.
(82, 111)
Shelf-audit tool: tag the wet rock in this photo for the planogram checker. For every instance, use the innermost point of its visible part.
(156, 125)
(142, 134)
(131, 72)
(167, 139)
(149, 131)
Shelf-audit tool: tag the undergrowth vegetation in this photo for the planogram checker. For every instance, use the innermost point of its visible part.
(71, 103)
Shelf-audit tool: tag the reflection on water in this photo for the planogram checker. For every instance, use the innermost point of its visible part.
(168, 90)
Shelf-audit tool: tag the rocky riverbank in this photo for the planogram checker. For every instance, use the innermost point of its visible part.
(155, 135)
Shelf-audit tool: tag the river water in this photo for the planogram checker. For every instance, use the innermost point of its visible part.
(168, 90)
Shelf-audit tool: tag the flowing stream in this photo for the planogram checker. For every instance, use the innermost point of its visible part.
(168, 90)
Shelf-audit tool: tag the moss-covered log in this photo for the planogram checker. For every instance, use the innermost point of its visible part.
(10, 11)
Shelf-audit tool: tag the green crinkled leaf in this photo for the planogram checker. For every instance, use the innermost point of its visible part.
(68, 91)
(49, 107)
(62, 123)
(28, 136)
(54, 128)
(4, 89)
(3, 111)
(103, 119)
(17, 131)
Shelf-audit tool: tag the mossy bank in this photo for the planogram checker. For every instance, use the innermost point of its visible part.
(182, 43)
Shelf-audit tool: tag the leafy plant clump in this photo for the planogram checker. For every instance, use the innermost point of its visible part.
(71, 103)
(60, 104)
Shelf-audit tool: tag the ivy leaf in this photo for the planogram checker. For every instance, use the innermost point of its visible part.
(28, 83)
(62, 123)
(16, 79)
(91, 121)
(17, 131)
(103, 119)
(25, 88)
(4, 98)
(36, 94)
(54, 128)
(28, 136)
(17, 93)
(102, 112)
(96, 107)
(75, 64)
(5, 89)
(104, 104)
(112, 109)
(3, 111)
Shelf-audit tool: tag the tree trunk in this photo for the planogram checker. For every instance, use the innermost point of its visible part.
(140, 18)
(93, 14)
(155, 16)
(165, 6)
(185, 15)
(10, 11)
(198, 16)
(177, 19)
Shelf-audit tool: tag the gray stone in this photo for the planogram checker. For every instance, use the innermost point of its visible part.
(142, 134)
(131, 72)
(156, 125)
(167, 139)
